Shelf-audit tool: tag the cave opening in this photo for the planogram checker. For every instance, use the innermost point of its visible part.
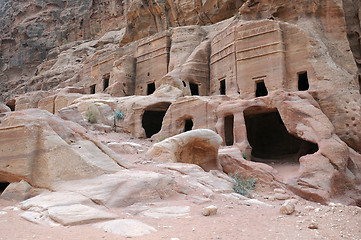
(261, 89)
(222, 87)
(3, 186)
(359, 82)
(270, 140)
(303, 84)
(92, 89)
(106, 78)
(194, 88)
(153, 118)
(228, 130)
(150, 88)
(11, 104)
(188, 125)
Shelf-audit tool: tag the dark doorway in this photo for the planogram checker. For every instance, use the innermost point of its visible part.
(270, 139)
(194, 88)
(188, 125)
(303, 81)
(228, 130)
(92, 89)
(153, 118)
(152, 122)
(359, 82)
(222, 87)
(11, 104)
(3, 186)
(106, 78)
(150, 88)
(261, 89)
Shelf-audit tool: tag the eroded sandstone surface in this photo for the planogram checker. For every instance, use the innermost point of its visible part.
(120, 103)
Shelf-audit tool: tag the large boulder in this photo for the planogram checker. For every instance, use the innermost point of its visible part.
(42, 149)
(197, 146)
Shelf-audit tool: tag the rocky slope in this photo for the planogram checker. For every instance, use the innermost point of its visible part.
(55, 55)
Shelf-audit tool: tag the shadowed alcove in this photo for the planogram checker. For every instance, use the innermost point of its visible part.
(270, 140)
(228, 130)
(194, 88)
(153, 118)
(3, 186)
(261, 89)
(11, 104)
(106, 78)
(188, 124)
(150, 88)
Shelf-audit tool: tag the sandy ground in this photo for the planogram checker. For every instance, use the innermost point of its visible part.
(232, 221)
(235, 219)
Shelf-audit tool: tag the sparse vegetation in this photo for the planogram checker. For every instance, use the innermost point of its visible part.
(243, 185)
(118, 115)
(244, 156)
(92, 114)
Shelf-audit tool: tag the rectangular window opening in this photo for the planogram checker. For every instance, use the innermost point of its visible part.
(303, 81)
(150, 88)
(228, 130)
(106, 78)
(194, 88)
(92, 89)
(188, 125)
(261, 89)
(222, 87)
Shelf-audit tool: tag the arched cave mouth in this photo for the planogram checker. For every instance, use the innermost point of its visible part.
(3, 186)
(271, 142)
(152, 118)
(11, 104)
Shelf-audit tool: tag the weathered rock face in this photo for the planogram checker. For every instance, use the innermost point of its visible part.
(48, 149)
(197, 147)
(30, 29)
(287, 70)
(324, 159)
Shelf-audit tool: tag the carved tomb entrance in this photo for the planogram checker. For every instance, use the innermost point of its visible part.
(271, 142)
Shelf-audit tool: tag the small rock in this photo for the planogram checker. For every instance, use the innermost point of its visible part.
(287, 208)
(318, 209)
(271, 198)
(279, 190)
(313, 225)
(3, 213)
(257, 202)
(309, 208)
(281, 196)
(126, 227)
(210, 210)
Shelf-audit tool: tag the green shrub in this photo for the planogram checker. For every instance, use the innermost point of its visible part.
(244, 156)
(118, 115)
(243, 185)
(92, 114)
